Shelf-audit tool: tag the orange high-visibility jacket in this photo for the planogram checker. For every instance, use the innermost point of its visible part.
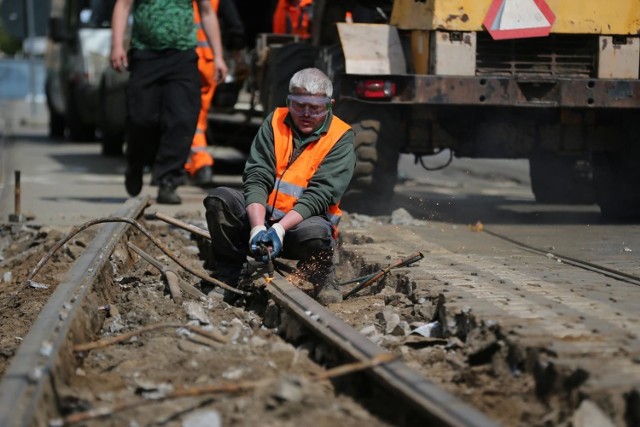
(294, 19)
(292, 179)
(203, 50)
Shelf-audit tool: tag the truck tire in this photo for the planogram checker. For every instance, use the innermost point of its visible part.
(367, 132)
(78, 130)
(560, 179)
(377, 154)
(616, 176)
(111, 121)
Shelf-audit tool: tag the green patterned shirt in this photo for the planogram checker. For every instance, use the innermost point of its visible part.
(163, 24)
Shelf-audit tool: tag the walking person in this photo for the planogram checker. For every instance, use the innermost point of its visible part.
(163, 93)
(200, 163)
(300, 164)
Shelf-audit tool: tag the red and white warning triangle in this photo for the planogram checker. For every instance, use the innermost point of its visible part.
(512, 19)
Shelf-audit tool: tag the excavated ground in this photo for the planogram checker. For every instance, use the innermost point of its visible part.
(466, 363)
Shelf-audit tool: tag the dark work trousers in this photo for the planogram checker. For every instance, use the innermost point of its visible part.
(163, 103)
(310, 242)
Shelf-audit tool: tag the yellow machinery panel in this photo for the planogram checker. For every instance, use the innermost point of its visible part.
(572, 16)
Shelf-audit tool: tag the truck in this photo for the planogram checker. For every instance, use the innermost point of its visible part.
(552, 81)
(556, 83)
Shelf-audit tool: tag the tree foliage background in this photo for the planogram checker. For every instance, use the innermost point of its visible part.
(9, 45)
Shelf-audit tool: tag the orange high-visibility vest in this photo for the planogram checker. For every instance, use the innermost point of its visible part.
(293, 19)
(203, 50)
(293, 178)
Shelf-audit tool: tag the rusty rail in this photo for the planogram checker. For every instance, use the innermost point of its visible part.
(37, 363)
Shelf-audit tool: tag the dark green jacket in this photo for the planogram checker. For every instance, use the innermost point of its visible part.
(328, 183)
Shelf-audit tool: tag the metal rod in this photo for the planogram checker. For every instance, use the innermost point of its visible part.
(17, 194)
(399, 263)
(140, 228)
(172, 278)
(181, 224)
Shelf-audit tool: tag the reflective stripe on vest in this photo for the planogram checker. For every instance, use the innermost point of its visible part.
(292, 179)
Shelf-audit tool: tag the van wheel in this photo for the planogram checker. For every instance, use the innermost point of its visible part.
(112, 143)
(56, 120)
(78, 130)
(56, 125)
(111, 121)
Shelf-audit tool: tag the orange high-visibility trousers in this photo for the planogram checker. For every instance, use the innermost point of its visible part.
(199, 156)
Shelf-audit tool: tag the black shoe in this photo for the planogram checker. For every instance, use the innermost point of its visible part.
(167, 194)
(203, 177)
(133, 180)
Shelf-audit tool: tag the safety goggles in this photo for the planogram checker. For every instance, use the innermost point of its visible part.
(309, 106)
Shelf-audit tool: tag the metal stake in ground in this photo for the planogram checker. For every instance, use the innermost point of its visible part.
(16, 216)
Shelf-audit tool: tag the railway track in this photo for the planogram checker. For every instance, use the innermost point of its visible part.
(53, 378)
(516, 336)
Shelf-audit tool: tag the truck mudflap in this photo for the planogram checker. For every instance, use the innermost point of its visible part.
(498, 91)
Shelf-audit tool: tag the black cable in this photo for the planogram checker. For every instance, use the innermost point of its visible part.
(437, 168)
(585, 265)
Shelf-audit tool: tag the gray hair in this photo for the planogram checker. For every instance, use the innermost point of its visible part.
(313, 81)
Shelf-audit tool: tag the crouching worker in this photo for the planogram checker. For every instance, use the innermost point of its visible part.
(299, 166)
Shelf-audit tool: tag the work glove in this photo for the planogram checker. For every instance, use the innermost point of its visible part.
(255, 236)
(272, 238)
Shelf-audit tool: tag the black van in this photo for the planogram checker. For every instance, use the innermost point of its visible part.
(84, 96)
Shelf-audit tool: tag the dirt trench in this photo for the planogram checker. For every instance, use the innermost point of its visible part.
(472, 360)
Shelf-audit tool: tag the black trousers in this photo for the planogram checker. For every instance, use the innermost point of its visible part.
(163, 103)
(311, 241)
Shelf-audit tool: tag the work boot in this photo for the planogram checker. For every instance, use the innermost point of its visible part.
(167, 193)
(203, 177)
(328, 293)
(229, 274)
(133, 179)
(321, 272)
